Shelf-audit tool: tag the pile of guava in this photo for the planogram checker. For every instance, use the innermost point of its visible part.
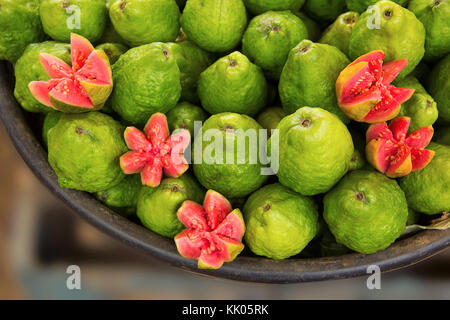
(295, 128)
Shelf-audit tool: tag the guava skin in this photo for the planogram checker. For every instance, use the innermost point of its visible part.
(214, 25)
(84, 151)
(122, 197)
(421, 107)
(184, 115)
(439, 88)
(157, 207)
(366, 211)
(50, 120)
(232, 180)
(112, 50)
(309, 78)
(29, 68)
(435, 16)
(270, 118)
(58, 16)
(233, 84)
(20, 25)
(146, 81)
(315, 151)
(400, 35)
(311, 25)
(362, 5)
(338, 34)
(427, 190)
(269, 38)
(279, 222)
(324, 10)
(141, 22)
(260, 6)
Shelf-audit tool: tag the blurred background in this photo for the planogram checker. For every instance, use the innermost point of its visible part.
(40, 237)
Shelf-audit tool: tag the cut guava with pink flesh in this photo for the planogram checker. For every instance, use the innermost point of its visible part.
(153, 152)
(364, 89)
(214, 232)
(391, 150)
(84, 87)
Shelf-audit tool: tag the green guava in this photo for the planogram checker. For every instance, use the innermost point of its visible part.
(435, 16)
(84, 151)
(338, 34)
(269, 38)
(50, 120)
(226, 155)
(270, 118)
(86, 18)
(184, 115)
(439, 87)
(311, 25)
(146, 81)
(20, 25)
(314, 151)
(324, 10)
(362, 5)
(122, 197)
(214, 25)
(421, 107)
(393, 29)
(141, 22)
(280, 223)
(427, 190)
(309, 77)
(29, 68)
(233, 84)
(358, 158)
(157, 207)
(366, 211)
(110, 34)
(112, 50)
(260, 6)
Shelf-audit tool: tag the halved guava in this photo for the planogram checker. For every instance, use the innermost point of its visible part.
(214, 231)
(83, 87)
(391, 150)
(364, 89)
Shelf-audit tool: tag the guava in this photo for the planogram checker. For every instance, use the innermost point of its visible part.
(324, 10)
(112, 50)
(362, 5)
(84, 151)
(227, 155)
(50, 120)
(61, 18)
(309, 77)
(421, 107)
(122, 197)
(192, 61)
(29, 68)
(435, 16)
(146, 81)
(311, 25)
(427, 190)
(214, 25)
(338, 33)
(260, 6)
(157, 207)
(391, 150)
(20, 25)
(366, 211)
(141, 22)
(270, 118)
(213, 231)
(233, 84)
(81, 88)
(443, 135)
(364, 89)
(184, 115)
(280, 223)
(393, 29)
(269, 38)
(358, 158)
(314, 151)
(155, 151)
(439, 88)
